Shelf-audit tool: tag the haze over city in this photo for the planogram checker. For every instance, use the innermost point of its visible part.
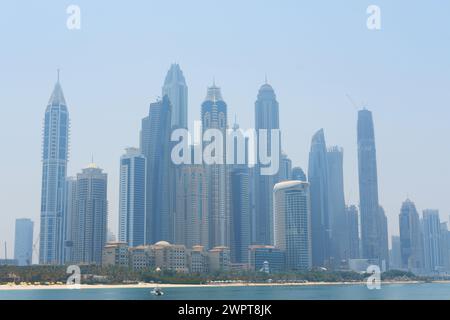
(314, 55)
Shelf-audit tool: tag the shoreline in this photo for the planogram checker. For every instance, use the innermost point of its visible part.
(168, 285)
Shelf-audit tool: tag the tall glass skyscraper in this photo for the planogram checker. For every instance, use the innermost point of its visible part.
(266, 117)
(192, 211)
(352, 229)
(54, 172)
(214, 116)
(176, 89)
(411, 240)
(318, 180)
(432, 240)
(371, 219)
(155, 146)
(71, 207)
(91, 217)
(240, 213)
(132, 198)
(339, 245)
(23, 243)
(298, 174)
(292, 224)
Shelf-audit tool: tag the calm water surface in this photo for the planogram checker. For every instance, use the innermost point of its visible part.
(321, 292)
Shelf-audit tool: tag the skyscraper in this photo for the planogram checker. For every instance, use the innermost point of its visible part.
(339, 244)
(298, 174)
(155, 146)
(432, 240)
(176, 89)
(91, 217)
(54, 172)
(318, 180)
(395, 253)
(352, 230)
(371, 220)
(192, 211)
(214, 116)
(285, 172)
(71, 212)
(132, 198)
(292, 232)
(240, 214)
(267, 118)
(445, 246)
(23, 244)
(411, 240)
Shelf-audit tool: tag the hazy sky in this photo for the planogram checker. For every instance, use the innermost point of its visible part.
(313, 52)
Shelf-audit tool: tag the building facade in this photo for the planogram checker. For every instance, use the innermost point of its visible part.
(339, 250)
(266, 258)
(132, 198)
(266, 118)
(176, 90)
(155, 146)
(432, 241)
(371, 219)
(411, 239)
(214, 116)
(23, 243)
(319, 191)
(292, 223)
(90, 221)
(54, 171)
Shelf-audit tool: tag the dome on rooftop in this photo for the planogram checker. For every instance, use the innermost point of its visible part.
(162, 243)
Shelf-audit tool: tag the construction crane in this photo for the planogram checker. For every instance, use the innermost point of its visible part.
(352, 101)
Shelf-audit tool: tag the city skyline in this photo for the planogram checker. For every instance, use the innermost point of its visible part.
(296, 150)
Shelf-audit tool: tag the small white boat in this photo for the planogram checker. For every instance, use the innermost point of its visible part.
(157, 291)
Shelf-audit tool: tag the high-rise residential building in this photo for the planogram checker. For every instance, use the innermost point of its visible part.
(266, 118)
(352, 229)
(319, 191)
(371, 219)
(192, 214)
(176, 89)
(336, 207)
(395, 257)
(432, 240)
(70, 205)
(240, 214)
(54, 171)
(214, 116)
(132, 196)
(155, 146)
(292, 225)
(411, 239)
(23, 244)
(445, 246)
(91, 218)
(298, 174)
(285, 172)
